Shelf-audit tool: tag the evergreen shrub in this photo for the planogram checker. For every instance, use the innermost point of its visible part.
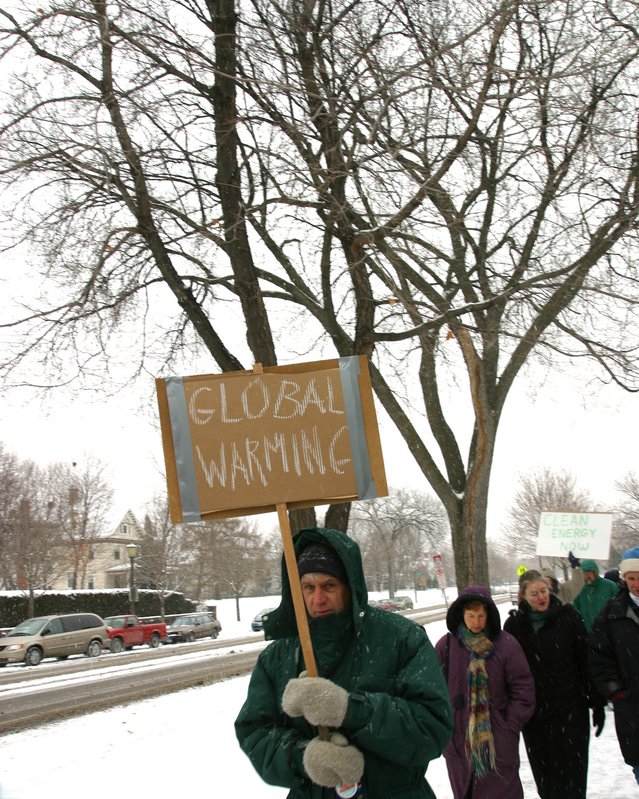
(14, 605)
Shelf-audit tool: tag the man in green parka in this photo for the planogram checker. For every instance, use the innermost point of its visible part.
(595, 593)
(380, 689)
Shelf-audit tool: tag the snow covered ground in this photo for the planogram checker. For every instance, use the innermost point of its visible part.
(183, 745)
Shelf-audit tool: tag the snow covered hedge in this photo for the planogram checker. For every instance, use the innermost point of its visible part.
(14, 605)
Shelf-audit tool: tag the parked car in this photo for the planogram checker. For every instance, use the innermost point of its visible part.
(385, 604)
(257, 623)
(403, 602)
(54, 636)
(128, 631)
(394, 604)
(190, 626)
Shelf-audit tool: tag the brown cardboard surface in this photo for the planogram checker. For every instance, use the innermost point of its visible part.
(270, 436)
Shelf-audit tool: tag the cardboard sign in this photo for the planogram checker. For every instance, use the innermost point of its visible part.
(239, 443)
(587, 535)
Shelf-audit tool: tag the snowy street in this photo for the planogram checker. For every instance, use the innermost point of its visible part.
(183, 745)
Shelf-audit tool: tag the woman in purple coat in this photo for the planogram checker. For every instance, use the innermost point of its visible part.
(492, 694)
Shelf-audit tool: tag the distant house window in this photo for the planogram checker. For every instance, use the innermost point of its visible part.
(70, 580)
(116, 553)
(125, 529)
(90, 582)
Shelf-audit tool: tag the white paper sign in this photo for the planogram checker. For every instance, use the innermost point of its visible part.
(586, 535)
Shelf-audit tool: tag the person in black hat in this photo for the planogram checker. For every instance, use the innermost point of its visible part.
(324, 581)
(380, 691)
(612, 575)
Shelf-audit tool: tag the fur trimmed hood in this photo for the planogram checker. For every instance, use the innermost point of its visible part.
(474, 593)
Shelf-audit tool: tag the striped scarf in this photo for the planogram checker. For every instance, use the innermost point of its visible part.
(480, 746)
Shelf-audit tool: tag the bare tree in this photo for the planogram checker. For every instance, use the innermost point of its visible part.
(398, 534)
(538, 491)
(503, 566)
(82, 504)
(242, 558)
(9, 479)
(625, 529)
(162, 553)
(452, 191)
(30, 533)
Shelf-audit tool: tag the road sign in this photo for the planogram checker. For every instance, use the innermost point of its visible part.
(440, 574)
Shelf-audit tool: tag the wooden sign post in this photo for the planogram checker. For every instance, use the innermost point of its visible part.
(271, 439)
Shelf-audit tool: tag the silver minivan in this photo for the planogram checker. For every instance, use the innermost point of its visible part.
(54, 636)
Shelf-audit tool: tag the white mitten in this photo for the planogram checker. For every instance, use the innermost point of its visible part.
(320, 701)
(333, 762)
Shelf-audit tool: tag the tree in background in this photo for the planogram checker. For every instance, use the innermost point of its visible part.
(242, 560)
(503, 563)
(204, 544)
(30, 531)
(625, 528)
(50, 517)
(452, 190)
(9, 480)
(162, 557)
(538, 491)
(82, 505)
(398, 535)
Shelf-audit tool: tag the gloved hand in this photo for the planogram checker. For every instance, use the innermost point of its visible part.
(333, 762)
(320, 701)
(598, 719)
(575, 563)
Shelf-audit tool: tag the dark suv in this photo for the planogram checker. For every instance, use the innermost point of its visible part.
(191, 626)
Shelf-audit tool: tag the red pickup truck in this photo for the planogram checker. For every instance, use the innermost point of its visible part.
(128, 631)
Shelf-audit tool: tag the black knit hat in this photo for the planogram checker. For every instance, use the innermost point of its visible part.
(322, 559)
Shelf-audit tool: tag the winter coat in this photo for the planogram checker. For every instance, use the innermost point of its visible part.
(558, 733)
(593, 596)
(511, 696)
(614, 643)
(398, 712)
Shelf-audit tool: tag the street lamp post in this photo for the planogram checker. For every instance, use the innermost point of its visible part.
(132, 552)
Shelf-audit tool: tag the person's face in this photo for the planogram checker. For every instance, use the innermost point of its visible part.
(590, 577)
(324, 594)
(475, 619)
(537, 595)
(632, 581)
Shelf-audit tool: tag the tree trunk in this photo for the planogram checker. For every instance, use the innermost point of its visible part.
(337, 516)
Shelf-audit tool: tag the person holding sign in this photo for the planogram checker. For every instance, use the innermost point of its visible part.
(378, 712)
(595, 593)
(614, 645)
(568, 590)
(555, 642)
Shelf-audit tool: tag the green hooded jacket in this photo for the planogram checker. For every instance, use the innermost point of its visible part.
(398, 711)
(593, 596)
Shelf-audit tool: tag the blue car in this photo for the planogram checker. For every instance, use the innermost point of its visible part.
(256, 624)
